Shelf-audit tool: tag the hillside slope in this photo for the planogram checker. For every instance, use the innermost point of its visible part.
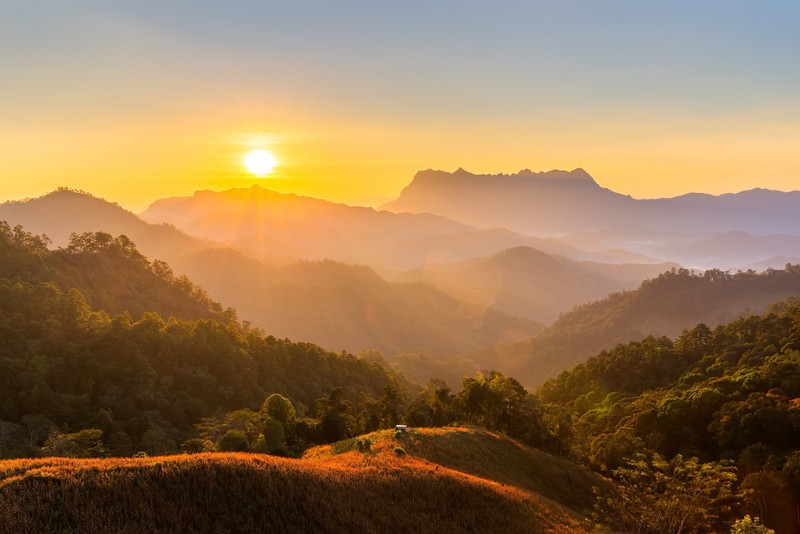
(341, 307)
(350, 307)
(527, 282)
(664, 305)
(354, 492)
(483, 454)
(729, 393)
(108, 271)
(65, 211)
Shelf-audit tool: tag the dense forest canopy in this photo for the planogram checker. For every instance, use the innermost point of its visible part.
(143, 382)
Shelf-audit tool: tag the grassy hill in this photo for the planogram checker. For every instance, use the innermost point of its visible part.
(483, 454)
(333, 489)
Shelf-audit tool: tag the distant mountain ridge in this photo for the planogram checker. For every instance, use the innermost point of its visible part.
(66, 211)
(557, 202)
(527, 282)
(335, 305)
(272, 224)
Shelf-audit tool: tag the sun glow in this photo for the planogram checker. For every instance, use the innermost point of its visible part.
(260, 162)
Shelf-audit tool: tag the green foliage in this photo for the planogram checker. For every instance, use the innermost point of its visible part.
(726, 393)
(335, 415)
(501, 403)
(274, 436)
(654, 495)
(400, 451)
(750, 525)
(364, 445)
(197, 445)
(233, 441)
(147, 382)
(108, 271)
(83, 444)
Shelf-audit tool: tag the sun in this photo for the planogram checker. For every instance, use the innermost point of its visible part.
(260, 162)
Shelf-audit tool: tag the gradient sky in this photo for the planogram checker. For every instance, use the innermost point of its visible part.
(143, 99)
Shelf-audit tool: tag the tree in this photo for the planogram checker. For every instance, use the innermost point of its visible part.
(274, 437)
(85, 443)
(8, 436)
(280, 409)
(335, 416)
(653, 495)
(749, 525)
(155, 441)
(432, 406)
(762, 487)
(791, 469)
(37, 427)
(233, 441)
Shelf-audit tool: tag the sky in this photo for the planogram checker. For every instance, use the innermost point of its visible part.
(139, 100)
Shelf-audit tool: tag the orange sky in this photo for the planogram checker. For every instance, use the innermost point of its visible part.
(140, 101)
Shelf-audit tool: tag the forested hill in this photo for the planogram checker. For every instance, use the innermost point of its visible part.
(143, 385)
(664, 305)
(731, 393)
(108, 271)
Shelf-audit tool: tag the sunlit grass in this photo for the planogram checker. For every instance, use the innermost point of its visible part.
(354, 491)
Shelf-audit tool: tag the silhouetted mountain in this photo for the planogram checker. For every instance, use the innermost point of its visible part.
(664, 305)
(527, 282)
(558, 202)
(62, 212)
(301, 227)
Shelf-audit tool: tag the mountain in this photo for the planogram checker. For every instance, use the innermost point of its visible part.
(730, 249)
(559, 202)
(335, 305)
(350, 307)
(66, 211)
(109, 273)
(543, 203)
(272, 224)
(527, 282)
(778, 262)
(665, 305)
(325, 492)
(289, 225)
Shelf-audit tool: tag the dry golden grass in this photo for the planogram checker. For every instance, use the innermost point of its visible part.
(324, 492)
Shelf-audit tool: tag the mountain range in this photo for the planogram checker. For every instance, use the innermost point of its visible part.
(557, 203)
(339, 306)
(465, 278)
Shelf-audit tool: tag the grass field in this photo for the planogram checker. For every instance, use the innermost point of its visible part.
(433, 480)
